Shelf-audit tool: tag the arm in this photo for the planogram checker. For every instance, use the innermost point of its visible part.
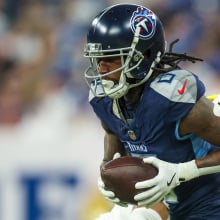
(202, 122)
(113, 148)
(112, 144)
(157, 212)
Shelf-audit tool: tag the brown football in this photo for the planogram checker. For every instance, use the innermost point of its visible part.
(120, 176)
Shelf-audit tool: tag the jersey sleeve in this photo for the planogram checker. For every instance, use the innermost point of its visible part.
(181, 90)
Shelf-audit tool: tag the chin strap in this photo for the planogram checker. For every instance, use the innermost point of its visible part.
(157, 60)
(123, 84)
(133, 46)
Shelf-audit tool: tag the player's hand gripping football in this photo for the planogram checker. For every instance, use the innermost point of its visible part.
(109, 195)
(169, 176)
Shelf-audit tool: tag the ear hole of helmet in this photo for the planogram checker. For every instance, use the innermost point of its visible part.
(147, 54)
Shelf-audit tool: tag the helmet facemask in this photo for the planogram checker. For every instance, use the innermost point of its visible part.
(101, 87)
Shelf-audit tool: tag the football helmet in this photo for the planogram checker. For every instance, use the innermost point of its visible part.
(129, 31)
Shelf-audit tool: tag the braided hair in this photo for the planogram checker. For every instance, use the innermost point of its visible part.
(170, 60)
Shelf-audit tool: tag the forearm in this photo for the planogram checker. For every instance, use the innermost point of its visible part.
(212, 159)
(145, 214)
(162, 209)
(199, 167)
(131, 213)
(159, 211)
(202, 122)
(211, 162)
(112, 144)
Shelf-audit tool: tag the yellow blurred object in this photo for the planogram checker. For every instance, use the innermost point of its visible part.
(95, 205)
(212, 97)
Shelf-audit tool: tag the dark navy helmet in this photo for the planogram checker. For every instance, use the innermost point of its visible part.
(132, 32)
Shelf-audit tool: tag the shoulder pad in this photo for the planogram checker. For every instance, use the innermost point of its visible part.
(177, 86)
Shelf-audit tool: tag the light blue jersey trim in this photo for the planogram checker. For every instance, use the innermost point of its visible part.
(178, 135)
(200, 147)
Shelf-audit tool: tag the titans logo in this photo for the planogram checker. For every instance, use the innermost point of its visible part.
(146, 20)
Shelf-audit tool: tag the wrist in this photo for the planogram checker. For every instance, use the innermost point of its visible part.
(209, 170)
(187, 171)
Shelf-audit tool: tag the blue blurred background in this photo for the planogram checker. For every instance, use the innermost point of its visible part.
(51, 143)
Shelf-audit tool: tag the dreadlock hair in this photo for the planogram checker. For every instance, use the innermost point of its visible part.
(170, 60)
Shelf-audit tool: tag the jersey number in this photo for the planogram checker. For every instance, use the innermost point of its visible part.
(166, 78)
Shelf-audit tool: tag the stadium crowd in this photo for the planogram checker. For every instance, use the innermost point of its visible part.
(41, 44)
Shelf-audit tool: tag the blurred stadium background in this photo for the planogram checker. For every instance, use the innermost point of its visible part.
(51, 144)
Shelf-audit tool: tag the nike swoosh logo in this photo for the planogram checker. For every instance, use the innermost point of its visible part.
(169, 182)
(182, 90)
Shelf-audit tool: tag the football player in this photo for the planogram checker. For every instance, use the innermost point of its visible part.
(151, 108)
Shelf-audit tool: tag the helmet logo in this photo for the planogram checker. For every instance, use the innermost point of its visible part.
(146, 20)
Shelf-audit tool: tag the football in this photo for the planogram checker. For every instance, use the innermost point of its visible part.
(120, 176)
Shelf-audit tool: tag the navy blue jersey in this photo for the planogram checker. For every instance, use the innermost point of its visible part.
(153, 131)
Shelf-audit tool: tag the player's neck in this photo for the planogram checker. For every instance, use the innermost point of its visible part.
(134, 95)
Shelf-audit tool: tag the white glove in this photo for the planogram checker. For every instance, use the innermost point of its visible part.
(169, 176)
(117, 213)
(109, 195)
